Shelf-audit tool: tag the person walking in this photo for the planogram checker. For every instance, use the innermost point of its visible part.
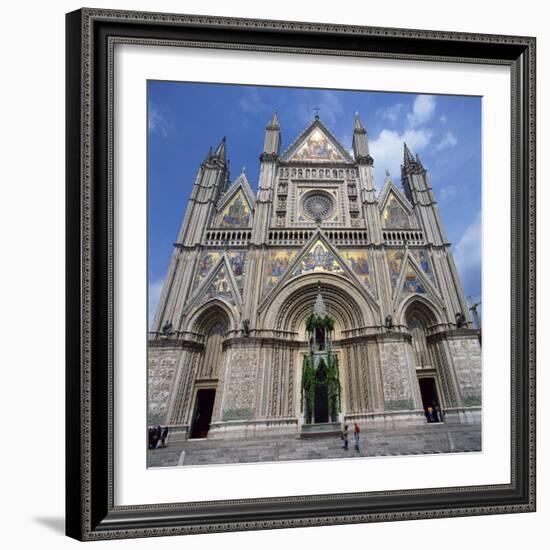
(356, 432)
(345, 438)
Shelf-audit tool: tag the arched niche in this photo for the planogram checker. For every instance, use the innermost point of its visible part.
(200, 317)
(349, 307)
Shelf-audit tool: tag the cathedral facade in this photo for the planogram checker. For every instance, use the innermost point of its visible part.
(228, 346)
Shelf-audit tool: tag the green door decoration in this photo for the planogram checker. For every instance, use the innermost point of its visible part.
(320, 378)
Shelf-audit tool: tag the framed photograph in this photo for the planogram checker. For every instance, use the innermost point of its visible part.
(300, 274)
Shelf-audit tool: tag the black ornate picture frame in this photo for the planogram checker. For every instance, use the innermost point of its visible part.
(90, 509)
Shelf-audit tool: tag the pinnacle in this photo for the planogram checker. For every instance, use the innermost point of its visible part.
(358, 124)
(319, 308)
(274, 123)
(221, 149)
(407, 155)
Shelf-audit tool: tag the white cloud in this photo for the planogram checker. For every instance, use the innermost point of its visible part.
(387, 148)
(467, 252)
(449, 140)
(423, 110)
(443, 119)
(158, 121)
(391, 113)
(252, 102)
(447, 194)
(155, 289)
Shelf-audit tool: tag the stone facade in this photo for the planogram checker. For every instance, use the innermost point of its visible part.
(245, 273)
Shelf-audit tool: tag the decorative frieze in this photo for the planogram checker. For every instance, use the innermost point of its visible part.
(466, 354)
(162, 364)
(398, 394)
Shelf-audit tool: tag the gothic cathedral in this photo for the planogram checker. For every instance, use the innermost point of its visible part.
(314, 302)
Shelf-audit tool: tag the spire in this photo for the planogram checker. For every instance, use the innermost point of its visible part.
(272, 142)
(274, 122)
(208, 155)
(360, 143)
(221, 149)
(319, 307)
(407, 156)
(411, 164)
(358, 125)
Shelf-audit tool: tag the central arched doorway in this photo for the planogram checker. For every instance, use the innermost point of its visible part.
(351, 311)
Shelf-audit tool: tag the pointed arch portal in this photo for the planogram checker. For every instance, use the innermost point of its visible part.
(419, 319)
(212, 323)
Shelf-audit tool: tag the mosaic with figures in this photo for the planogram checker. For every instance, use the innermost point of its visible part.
(395, 264)
(236, 213)
(318, 258)
(395, 260)
(236, 260)
(358, 261)
(412, 283)
(422, 260)
(209, 259)
(394, 215)
(317, 147)
(277, 264)
(220, 287)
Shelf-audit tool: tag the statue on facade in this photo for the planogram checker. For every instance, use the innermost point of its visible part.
(460, 320)
(246, 327)
(167, 328)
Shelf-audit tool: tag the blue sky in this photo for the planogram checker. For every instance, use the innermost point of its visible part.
(185, 119)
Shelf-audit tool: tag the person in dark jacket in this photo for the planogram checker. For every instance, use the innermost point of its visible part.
(345, 438)
(163, 436)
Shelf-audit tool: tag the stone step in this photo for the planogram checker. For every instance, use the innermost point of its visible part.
(431, 439)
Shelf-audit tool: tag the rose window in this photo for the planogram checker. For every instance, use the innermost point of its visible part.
(318, 206)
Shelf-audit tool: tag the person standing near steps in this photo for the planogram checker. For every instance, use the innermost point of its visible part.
(356, 432)
(345, 438)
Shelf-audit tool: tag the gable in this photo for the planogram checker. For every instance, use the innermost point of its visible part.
(210, 258)
(236, 213)
(220, 287)
(317, 147)
(220, 283)
(394, 214)
(318, 258)
(412, 283)
(316, 144)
